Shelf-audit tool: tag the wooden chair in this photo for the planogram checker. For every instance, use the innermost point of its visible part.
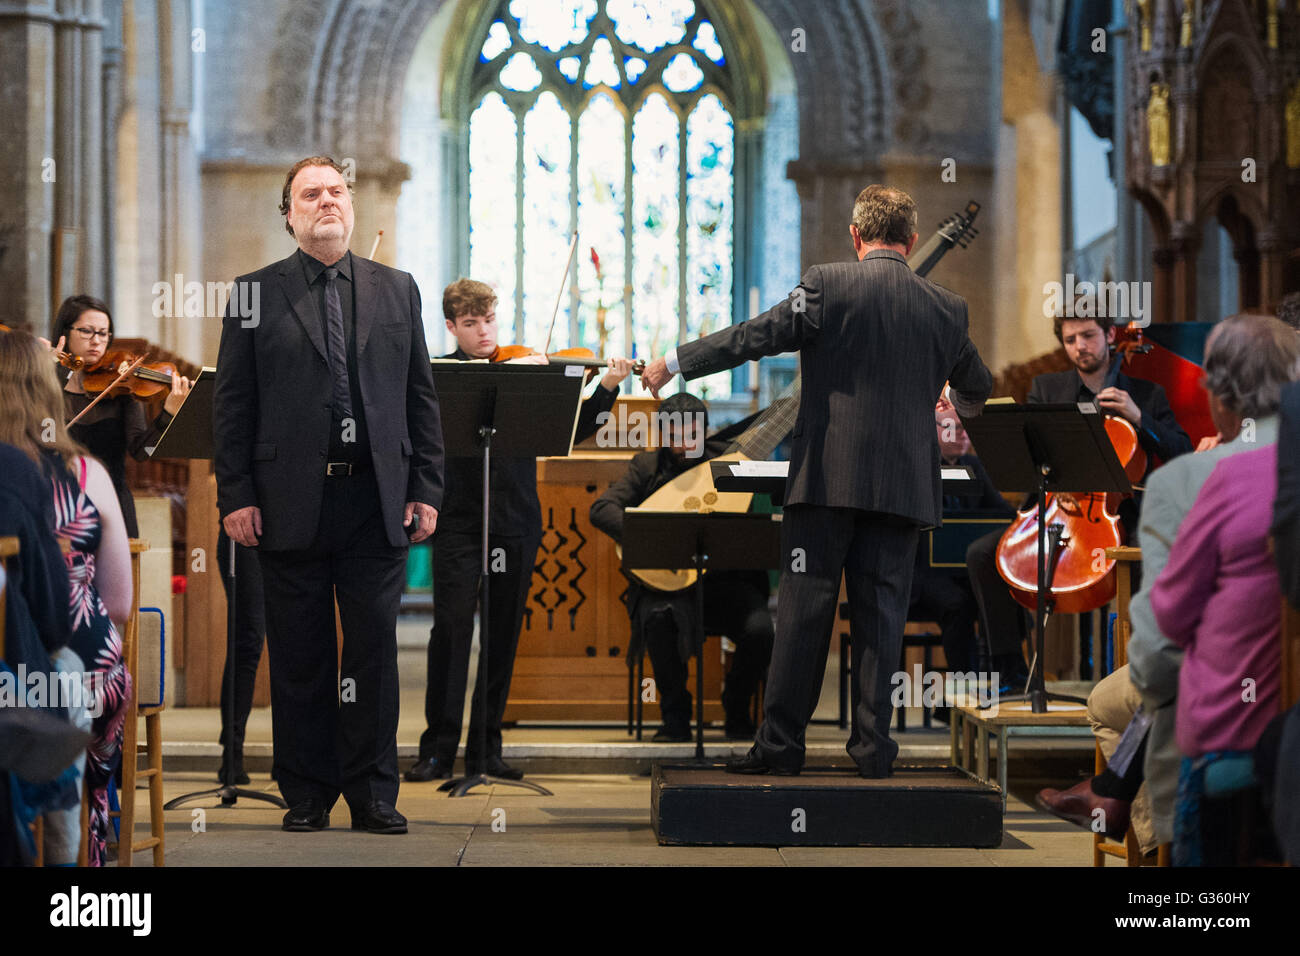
(131, 747)
(1129, 851)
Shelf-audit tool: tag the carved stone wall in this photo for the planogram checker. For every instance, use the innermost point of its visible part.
(1226, 69)
(887, 90)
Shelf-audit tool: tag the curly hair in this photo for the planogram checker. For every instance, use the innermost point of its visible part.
(1249, 359)
(467, 297)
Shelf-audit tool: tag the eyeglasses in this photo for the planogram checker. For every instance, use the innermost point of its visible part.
(92, 333)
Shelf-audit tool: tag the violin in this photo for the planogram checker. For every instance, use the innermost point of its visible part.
(123, 373)
(575, 356)
(1079, 529)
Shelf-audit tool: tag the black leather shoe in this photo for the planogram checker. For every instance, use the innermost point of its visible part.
(752, 763)
(310, 814)
(496, 767)
(425, 770)
(379, 817)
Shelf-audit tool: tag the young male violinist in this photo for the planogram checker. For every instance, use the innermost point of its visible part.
(1098, 377)
(515, 531)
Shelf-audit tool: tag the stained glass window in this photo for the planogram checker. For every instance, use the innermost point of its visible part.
(569, 99)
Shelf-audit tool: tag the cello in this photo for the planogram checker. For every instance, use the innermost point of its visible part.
(1079, 528)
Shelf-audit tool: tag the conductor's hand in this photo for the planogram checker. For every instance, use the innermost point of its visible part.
(656, 376)
(244, 525)
(176, 397)
(425, 520)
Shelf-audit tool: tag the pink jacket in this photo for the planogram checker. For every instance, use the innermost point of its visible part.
(1218, 598)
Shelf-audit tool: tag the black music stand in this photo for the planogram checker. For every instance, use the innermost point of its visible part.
(1046, 448)
(730, 476)
(673, 541)
(190, 436)
(518, 411)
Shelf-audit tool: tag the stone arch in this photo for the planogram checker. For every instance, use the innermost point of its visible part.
(336, 72)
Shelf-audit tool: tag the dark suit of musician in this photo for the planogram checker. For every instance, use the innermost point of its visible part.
(876, 343)
(514, 534)
(332, 490)
(735, 602)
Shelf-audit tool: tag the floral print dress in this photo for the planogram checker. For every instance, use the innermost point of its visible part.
(96, 640)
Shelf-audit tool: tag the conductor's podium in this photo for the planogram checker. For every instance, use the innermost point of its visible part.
(702, 805)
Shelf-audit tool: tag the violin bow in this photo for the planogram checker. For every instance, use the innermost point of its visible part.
(98, 398)
(559, 297)
(375, 248)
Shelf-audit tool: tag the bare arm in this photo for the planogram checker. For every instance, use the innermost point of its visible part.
(113, 558)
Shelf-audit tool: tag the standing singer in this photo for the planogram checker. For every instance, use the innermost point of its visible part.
(329, 460)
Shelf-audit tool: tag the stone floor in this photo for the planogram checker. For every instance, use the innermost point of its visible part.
(592, 820)
(600, 811)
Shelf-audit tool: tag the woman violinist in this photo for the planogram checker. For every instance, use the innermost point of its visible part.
(117, 424)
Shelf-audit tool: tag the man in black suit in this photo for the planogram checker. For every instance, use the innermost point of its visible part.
(1095, 377)
(469, 308)
(328, 456)
(876, 343)
(735, 602)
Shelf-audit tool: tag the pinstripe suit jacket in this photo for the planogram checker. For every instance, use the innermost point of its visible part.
(876, 343)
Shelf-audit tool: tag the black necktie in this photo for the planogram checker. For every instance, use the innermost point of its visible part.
(337, 344)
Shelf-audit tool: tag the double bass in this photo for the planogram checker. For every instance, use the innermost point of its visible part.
(1080, 527)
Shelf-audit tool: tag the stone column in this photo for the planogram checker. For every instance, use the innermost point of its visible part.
(48, 169)
(1269, 268)
(181, 211)
(1186, 242)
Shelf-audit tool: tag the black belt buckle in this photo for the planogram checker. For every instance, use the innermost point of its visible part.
(337, 469)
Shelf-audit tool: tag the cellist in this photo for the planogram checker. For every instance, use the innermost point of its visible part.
(1097, 377)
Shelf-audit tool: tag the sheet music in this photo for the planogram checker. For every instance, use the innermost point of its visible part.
(760, 469)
